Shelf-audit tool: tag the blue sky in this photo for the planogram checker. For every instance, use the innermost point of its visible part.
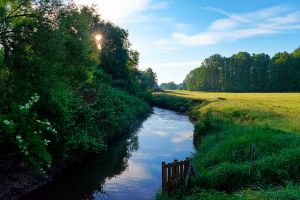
(175, 36)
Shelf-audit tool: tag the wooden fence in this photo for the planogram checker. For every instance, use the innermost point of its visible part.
(175, 174)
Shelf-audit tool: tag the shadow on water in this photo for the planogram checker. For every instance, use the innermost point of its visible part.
(131, 166)
(82, 180)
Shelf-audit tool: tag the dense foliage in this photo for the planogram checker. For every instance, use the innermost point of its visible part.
(243, 72)
(58, 81)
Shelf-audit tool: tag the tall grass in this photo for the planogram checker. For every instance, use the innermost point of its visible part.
(228, 124)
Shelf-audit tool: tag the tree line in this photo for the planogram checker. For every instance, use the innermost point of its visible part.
(69, 83)
(171, 86)
(243, 72)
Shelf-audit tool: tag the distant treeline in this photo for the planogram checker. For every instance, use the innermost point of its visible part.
(243, 72)
(171, 86)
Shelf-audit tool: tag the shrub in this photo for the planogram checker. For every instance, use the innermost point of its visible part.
(24, 132)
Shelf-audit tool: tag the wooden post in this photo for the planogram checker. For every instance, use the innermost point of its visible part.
(186, 164)
(164, 176)
(253, 159)
(175, 170)
(187, 176)
(169, 177)
(181, 170)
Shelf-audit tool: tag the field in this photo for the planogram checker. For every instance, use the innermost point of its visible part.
(227, 127)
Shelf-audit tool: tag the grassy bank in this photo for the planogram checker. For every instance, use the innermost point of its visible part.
(228, 124)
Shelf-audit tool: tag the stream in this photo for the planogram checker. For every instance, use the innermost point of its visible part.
(131, 166)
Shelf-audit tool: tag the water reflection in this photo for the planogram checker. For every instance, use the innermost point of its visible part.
(130, 169)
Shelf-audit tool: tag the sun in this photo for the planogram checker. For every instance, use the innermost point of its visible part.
(98, 37)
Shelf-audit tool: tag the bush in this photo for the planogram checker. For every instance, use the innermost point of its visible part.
(24, 132)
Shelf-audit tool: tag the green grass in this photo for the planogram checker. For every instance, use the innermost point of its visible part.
(227, 126)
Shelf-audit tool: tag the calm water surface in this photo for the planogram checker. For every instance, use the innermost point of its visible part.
(131, 168)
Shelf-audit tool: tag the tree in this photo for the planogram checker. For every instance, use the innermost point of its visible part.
(241, 63)
(280, 72)
(258, 70)
(114, 54)
(148, 80)
(295, 76)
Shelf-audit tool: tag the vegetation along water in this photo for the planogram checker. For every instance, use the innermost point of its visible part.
(131, 167)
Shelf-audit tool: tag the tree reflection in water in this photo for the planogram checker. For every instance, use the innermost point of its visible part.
(87, 178)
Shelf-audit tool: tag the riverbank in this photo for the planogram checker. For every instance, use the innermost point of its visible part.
(227, 127)
(17, 178)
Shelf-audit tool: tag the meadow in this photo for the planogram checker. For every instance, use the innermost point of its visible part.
(227, 126)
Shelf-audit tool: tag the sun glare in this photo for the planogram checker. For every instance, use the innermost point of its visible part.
(98, 37)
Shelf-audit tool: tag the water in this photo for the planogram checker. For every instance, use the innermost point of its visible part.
(131, 168)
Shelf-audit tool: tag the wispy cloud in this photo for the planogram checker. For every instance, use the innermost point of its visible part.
(272, 20)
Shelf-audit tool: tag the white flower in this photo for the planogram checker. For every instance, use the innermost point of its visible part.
(27, 105)
(18, 137)
(38, 121)
(7, 122)
(46, 142)
(26, 153)
(48, 123)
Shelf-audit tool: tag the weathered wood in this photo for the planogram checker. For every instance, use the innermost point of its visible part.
(186, 164)
(188, 173)
(169, 177)
(181, 170)
(164, 177)
(176, 173)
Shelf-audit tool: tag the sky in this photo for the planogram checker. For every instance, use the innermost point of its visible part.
(175, 36)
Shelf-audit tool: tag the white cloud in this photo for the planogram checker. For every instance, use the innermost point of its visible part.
(183, 26)
(182, 137)
(276, 19)
(121, 11)
(160, 5)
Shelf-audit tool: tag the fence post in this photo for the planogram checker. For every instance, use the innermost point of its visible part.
(175, 173)
(164, 176)
(253, 159)
(169, 178)
(181, 170)
(188, 172)
(186, 164)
